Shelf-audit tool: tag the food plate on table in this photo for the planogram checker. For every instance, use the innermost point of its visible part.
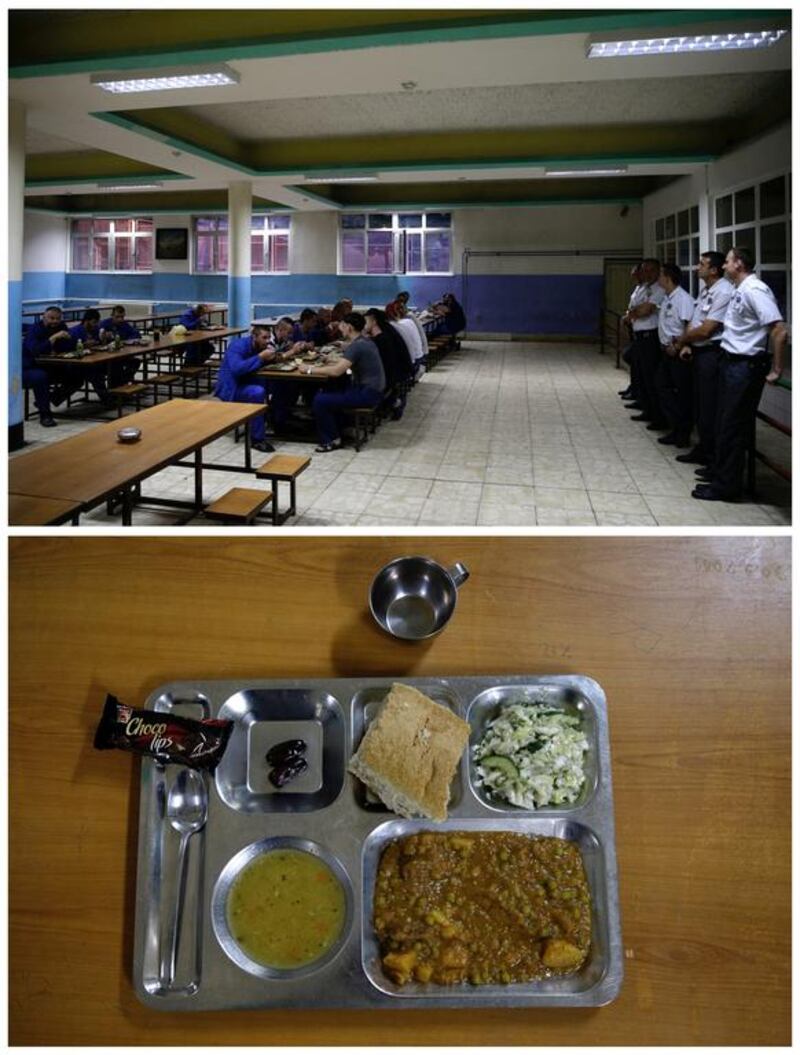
(505, 905)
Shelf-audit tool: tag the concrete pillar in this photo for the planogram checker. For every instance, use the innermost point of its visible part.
(240, 204)
(16, 214)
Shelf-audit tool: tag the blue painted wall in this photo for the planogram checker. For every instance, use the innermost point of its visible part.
(45, 286)
(529, 304)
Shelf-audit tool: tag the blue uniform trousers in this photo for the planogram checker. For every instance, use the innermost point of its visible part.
(252, 393)
(327, 406)
(648, 353)
(706, 394)
(741, 382)
(39, 382)
(675, 394)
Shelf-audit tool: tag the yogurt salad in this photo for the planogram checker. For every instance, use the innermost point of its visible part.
(532, 756)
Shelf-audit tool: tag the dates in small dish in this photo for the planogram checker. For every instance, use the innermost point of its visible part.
(287, 761)
(282, 752)
(287, 771)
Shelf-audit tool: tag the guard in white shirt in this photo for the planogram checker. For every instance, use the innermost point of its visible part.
(675, 375)
(702, 344)
(643, 317)
(752, 322)
(633, 389)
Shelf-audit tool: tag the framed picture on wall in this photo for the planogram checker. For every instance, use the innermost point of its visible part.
(172, 243)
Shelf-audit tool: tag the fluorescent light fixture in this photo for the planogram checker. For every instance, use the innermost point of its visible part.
(367, 177)
(129, 186)
(684, 45)
(616, 170)
(167, 79)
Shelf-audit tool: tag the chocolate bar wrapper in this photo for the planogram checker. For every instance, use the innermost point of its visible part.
(166, 737)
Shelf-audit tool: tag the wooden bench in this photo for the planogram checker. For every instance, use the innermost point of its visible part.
(365, 422)
(192, 373)
(132, 392)
(240, 504)
(283, 467)
(162, 380)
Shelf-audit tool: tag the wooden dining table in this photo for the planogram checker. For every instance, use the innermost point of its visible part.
(106, 355)
(688, 637)
(95, 466)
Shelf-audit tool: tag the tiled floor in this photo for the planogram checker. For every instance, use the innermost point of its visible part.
(499, 434)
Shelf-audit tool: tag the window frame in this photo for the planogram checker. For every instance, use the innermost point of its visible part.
(266, 232)
(757, 223)
(269, 233)
(692, 236)
(400, 235)
(111, 235)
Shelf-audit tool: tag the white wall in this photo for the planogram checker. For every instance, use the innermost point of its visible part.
(551, 227)
(45, 246)
(313, 243)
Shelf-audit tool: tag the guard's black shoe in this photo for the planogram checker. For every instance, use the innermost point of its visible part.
(625, 392)
(657, 426)
(634, 406)
(48, 423)
(708, 493)
(263, 446)
(669, 440)
(693, 457)
(640, 417)
(704, 474)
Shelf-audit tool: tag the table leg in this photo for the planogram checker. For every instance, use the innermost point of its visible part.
(198, 479)
(127, 507)
(275, 520)
(248, 455)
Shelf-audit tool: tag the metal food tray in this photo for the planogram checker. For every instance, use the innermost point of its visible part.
(329, 812)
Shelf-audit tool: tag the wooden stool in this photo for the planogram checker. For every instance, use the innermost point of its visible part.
(239, 504)
(132, 391)
(192, 373)
(365, 422)
(286, 467)
(168, 380)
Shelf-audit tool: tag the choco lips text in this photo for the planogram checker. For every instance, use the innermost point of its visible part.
(166, 737)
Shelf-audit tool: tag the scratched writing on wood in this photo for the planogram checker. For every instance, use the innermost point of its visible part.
(741, 568)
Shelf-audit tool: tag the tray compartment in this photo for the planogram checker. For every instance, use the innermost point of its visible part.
(222, 890)
(265, 717)
(488, 705)
(565, 988)
(363, 708)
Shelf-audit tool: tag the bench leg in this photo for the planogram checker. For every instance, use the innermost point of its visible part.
(198, 479)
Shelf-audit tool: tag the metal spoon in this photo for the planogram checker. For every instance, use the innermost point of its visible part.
(187, 810)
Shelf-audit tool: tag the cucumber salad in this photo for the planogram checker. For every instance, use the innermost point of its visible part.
(532, 756)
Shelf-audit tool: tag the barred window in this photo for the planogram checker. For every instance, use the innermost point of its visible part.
(111, 245)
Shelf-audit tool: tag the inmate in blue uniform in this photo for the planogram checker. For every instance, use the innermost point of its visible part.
(236, 384)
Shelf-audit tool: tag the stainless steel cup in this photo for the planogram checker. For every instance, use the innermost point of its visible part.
(414, 597)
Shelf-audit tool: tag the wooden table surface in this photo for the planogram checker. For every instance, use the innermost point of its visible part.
(689, 638)
(107, 354)
(35, 511)
(87, 467)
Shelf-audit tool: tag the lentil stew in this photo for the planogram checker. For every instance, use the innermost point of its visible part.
(481, 908)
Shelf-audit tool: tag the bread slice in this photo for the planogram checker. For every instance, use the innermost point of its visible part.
(410, 753)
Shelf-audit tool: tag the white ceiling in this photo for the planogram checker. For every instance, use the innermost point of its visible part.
(528, 82)
(656, 100)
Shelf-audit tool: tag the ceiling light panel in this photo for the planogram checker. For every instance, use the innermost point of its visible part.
(618, 170)
(167, 79)
(684, 45)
